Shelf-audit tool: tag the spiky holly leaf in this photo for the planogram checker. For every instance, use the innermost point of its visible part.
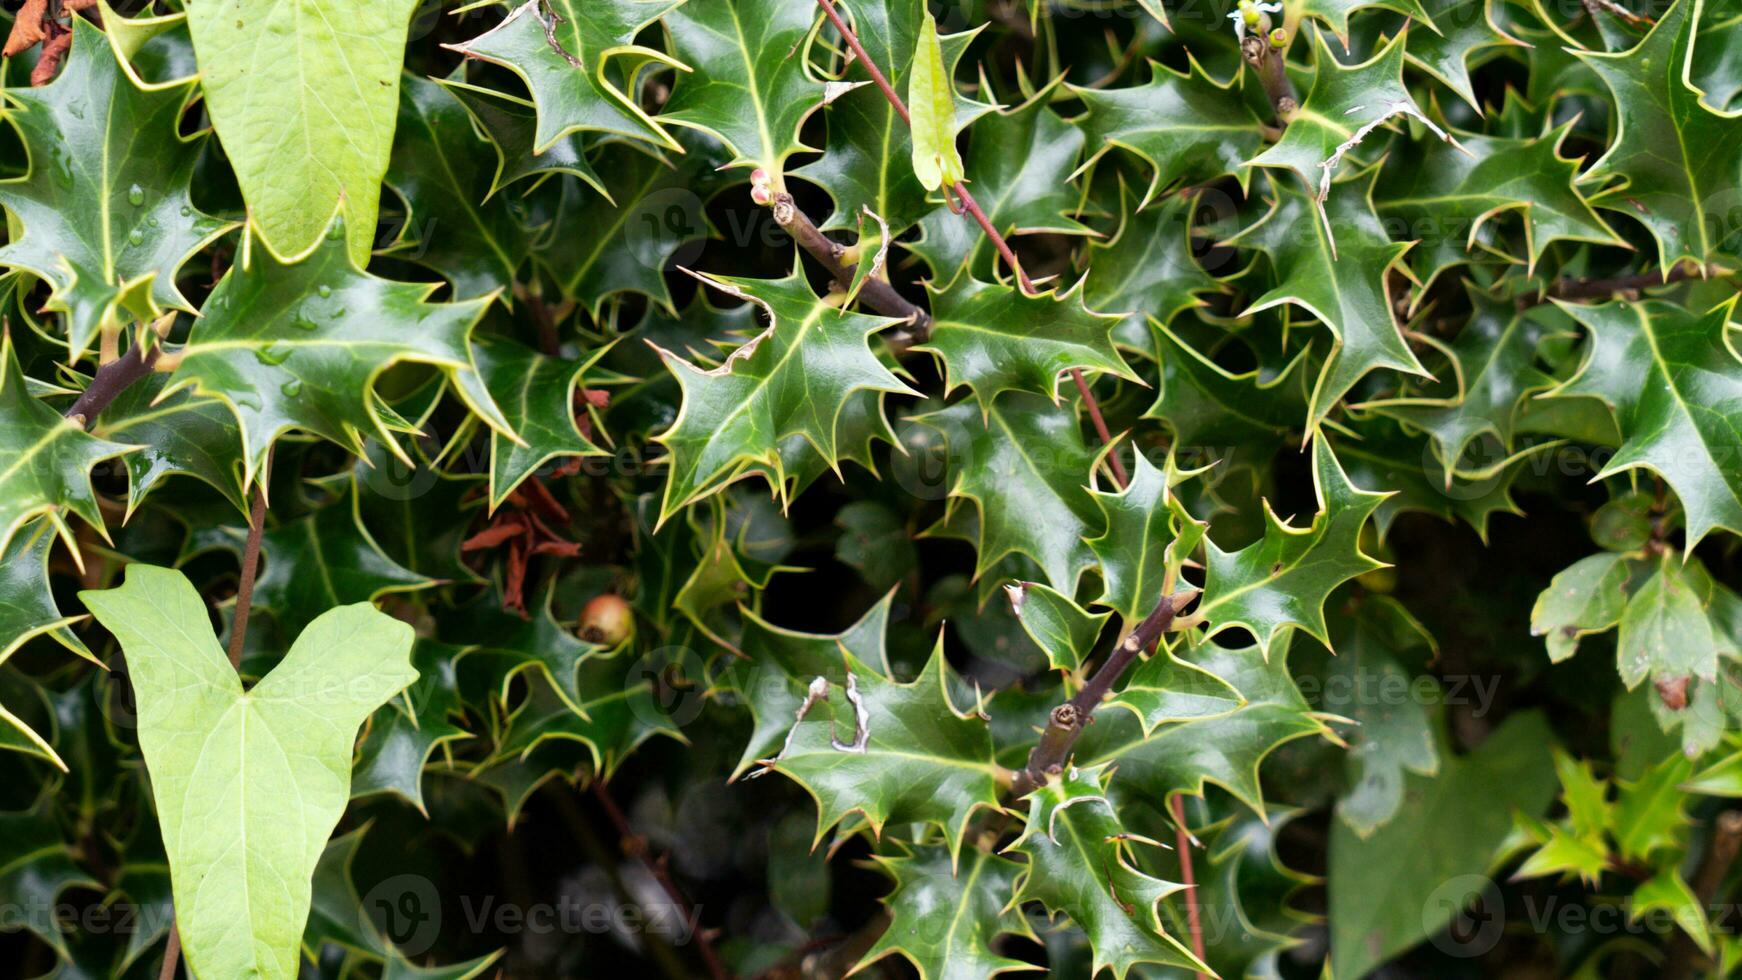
(1342, 283)
(1149, 535)
(574, 56)
(1492, 364)
(504, 646)
(1195, 740)
(920, 760)
(106, 211)
(1080, 864)
(1335, 14)
(27, 605)
(511, 126)
(1284, 579)
(782, 663)
(654, 213)
(865, 161)
(749, 84)
(1389, 736)
(36, 868)
(537, 395)
(418, 515)
(404, 733)
(300, 345)
(47, 461)
(1417, 872)
(1024, 465)
(1431, 186)
(1674, 161)
(1186, 126)
(184, 433)
(1241, 878)
(618, 711)
(1383, 454)
(324, 560)
(1463, 30)
(1146, 270)
(1240, 418)
(793, 379)
(1019, 164)
(304, 98)
(269, 766)
(1344, 105)
(995, 338)
(1674, 382)
(442, 171)
(944, 918)
(1063, 630)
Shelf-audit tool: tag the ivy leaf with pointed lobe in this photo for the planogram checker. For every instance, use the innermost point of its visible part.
(994, 338)
(323, 560)
(1064, 631)
(1186, 126)
(944, 918)
(794, 378)
(106, 209)
(1019, 164)
(440, 169)
(45, 461)
(300, 346)
(1344, 105)
(270, 766)
(1283, 580)
(1025, 467)
(1149, 535)
(575, 81)
(920, 761)
(1463, 30)
(1080, 863)
(1586, 597)
(1674, 382)
(749, 84)
(1146, 270)
(866, 158)
(1436, 191)
(1343, 284)
(654, 214)
(1674, 162)
(781, 665)
(1226, 712)
(537, 396)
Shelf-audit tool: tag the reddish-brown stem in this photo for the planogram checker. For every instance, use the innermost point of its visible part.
(245, 588)
(171, 955)
(1182, 842)
(635, 846)
(110, 381)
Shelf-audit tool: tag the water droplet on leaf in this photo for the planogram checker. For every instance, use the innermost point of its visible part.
(135, 195)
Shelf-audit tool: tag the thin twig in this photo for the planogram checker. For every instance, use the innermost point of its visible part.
(1570, 288)
(171, 955)
(1271, 67)
(110, 381)
(635, 846)
(877, 294)
(1182, 843)
(245, 589)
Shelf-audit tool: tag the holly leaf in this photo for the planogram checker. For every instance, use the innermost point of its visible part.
(510, 125)
(1462, 30)
(1432, 184)
(1063, 630)
(973, 899)
(1023, 464)
(1674, 383)
(300, 345)
(1335, 14)
(1341, 280)
(181, 434)
(867, 159)
(618, 711)
(402, 737)
(241, 909)
(323, 560)
(1283, 579)
(36, 868)
(1186, 126)
(573, 56)
(1080, 863)
(27, 605)
(47, 472)
(1146, 270)
(452, 224)
(749, 86)
(892, 752)
(106, 209)
(1241, 417)
(781, 665)
(1149, 535)
(1673, 158)
(1019, 164)
(793, 379)
(305, 110)
(505, 646)
(995, 338)
(538, 398)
